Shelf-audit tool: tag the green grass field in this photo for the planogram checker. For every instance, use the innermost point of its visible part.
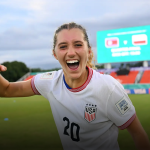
(30, 124)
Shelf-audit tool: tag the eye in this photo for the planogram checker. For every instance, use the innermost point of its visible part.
(78, 45)
(63, 46)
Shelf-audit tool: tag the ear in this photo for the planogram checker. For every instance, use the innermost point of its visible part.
(54, 54)
(89, 51)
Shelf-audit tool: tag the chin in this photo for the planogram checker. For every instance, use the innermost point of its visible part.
(74, 76)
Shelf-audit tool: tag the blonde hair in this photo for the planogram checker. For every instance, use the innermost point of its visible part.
(90, 62)
(90, 59)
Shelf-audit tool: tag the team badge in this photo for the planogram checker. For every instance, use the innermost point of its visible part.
(90, 112)
(123, 106)
(47, 75)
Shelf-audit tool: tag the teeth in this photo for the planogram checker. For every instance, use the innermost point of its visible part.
(72, 61)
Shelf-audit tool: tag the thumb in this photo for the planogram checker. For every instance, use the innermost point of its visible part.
(2, 68)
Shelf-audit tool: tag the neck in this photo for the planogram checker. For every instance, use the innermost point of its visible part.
(75, 83)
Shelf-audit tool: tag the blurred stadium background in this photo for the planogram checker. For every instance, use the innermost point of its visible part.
(27, 123)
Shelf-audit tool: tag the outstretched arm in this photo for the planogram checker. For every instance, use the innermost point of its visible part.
(139, 135)
(14, 89)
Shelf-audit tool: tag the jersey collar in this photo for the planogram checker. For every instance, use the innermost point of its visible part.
(82, 86)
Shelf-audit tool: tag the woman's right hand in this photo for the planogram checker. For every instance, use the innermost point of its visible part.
(3, 68)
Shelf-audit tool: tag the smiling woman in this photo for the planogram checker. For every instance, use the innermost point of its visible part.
(88, 107)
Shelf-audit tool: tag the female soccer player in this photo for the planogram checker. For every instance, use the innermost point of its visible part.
(88, 107)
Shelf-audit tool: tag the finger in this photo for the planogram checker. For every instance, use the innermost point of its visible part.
(2, 68)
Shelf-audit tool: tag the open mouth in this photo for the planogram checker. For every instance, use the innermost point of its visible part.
(73, 64)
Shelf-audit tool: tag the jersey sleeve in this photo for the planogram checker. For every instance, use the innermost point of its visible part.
(120, 109)
(34, 89)
(41, 83)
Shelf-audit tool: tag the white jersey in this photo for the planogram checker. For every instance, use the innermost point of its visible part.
(88, 117)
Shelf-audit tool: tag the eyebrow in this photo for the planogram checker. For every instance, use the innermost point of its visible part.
(62, 43)
(66, 42)
(78, 42)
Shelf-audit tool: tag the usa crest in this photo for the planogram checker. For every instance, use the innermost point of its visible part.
(90, 112)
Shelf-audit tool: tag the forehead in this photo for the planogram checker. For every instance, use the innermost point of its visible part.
(70, 35)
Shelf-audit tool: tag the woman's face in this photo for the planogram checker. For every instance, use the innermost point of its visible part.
(72, 52)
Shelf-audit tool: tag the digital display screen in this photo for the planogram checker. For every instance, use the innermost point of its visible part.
(123, 45)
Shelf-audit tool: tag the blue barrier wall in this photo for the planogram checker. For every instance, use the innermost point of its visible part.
(137, 91)
(137, 88)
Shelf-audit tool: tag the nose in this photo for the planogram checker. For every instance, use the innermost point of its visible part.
(71, 52)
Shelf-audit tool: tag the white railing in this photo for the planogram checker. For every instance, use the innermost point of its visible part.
(139, 76)
(24, 77)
